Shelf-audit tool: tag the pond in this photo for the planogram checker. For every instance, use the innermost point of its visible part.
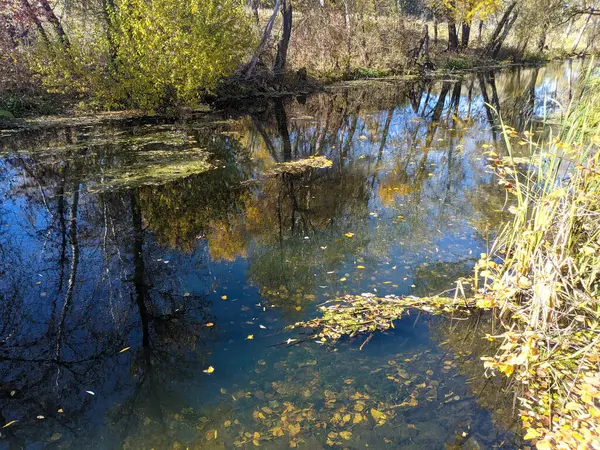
(149, 267)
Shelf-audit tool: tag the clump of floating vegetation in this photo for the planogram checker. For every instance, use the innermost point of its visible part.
(366, 313)
(300, 165)
(154, 167)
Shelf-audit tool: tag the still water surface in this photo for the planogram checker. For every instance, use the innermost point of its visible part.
(147, 270)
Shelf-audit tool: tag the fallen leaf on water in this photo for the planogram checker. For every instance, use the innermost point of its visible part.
(223, 297)
(346, 435)
(211, 434)
(349, 235)
(277, 431)
(360, 267)
(10, 423)
(210, 369)
(532, 434)
(124, 350)
(60, 411)
(55, 437)
(250, 337)
(209, 324)
(377, 415)
(90, 392)
(294, 429)
(343, 279)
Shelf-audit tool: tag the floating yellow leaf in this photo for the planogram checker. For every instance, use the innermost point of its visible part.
(360, 267)
(377, 415)
(343, 279)
(125, 349)
(346, 435)
(211, 434)
(10, 423)
(210, 369)
(250, 337)
(294, 429)
(223, 297)
(277, 431)
(209, 324)
(227, 423)
(532, 434)
(349, 235)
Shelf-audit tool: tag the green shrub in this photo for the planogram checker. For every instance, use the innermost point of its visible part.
(156, 54)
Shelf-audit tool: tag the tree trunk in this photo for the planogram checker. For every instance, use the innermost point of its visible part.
(480, 30)
(466, 33)
(507, 28)
(452, 36)
(263, 42)
(435, 30)
(348, 37)
(542, 41)
(500, 26)
(582, 29)
(501, 30)
(254, 5)
(38, 24)
(109, 8)
(60, 31)
(282, 46)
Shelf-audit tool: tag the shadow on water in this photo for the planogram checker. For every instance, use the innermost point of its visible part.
(147, 271)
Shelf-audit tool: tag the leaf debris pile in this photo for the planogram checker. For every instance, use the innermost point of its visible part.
(366, 313)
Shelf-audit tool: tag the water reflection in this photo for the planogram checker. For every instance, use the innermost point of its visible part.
(135, 255)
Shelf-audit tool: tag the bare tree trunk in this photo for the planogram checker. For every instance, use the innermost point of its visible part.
(60, 31)
(435, 30)
(452, 33)
(502, 37)
(452, 36)
(591, 36)
(348, 37)
(109, 8)
(582, 29)
(254, 5)
(426, 47)
(263, 42)
(501, 24)
(480, 30)
(465, 34)
(501, 30)
(282, 46)
(38, 24)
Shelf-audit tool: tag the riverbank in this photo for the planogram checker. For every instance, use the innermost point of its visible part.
(34, 109)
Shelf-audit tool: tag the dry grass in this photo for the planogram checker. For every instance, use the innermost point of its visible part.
(544, 276)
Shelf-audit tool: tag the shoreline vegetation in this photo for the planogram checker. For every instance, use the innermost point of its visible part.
(541, 281)
(61, 57)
